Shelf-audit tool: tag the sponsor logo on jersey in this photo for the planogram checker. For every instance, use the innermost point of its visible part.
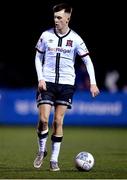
(59, 50)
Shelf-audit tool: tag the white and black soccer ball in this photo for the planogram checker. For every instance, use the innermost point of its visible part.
(84, 161)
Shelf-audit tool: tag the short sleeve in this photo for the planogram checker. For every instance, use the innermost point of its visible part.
(40, 46)
(81, 47)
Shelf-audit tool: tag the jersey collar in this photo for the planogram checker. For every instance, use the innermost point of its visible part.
(63, 35)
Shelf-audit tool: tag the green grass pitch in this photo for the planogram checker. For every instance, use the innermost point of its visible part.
(18, 147)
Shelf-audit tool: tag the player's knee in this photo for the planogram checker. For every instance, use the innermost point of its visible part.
(58, 122)
(43, 117)
(44, 120)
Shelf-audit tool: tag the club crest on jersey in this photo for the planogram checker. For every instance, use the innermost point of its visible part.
(69, 43)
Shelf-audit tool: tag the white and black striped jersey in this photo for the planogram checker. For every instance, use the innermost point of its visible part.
(59, 55)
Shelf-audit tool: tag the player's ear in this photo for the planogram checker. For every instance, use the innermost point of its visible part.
(68, 19)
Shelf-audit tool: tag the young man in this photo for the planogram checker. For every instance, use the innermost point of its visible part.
(54, 62)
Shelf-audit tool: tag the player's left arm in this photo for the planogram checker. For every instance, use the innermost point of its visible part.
(84, 54)
(90, 69)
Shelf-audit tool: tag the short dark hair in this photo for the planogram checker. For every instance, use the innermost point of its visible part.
(61, 6)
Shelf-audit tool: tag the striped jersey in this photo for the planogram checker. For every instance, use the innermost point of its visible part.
(59, 55)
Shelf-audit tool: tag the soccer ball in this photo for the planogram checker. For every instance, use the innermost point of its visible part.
(84, 161)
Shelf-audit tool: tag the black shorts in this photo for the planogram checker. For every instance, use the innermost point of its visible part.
(56, 94)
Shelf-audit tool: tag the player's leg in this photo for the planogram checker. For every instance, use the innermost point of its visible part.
(63, 101)
(57, 136)
(45, 100)
(42, 131)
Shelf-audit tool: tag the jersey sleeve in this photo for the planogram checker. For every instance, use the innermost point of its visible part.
(40, 46)
(81, 47)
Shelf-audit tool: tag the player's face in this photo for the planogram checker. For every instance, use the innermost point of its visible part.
(61, 19)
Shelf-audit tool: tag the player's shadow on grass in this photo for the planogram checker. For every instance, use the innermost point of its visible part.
(64, 170)
(29, 169)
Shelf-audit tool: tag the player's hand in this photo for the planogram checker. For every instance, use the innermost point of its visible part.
(94, 90)
(42, 85)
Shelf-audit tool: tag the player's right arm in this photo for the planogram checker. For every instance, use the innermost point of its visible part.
(40, 47)
(38, 65)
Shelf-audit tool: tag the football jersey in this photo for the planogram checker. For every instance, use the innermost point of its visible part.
(59, 55)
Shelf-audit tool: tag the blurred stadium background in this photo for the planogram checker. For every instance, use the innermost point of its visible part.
(102, 26)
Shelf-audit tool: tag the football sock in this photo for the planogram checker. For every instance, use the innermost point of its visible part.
(42, 139)
(56, 143)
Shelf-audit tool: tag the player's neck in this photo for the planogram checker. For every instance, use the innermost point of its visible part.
(63, 31)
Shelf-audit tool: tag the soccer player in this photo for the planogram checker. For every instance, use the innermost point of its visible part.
(56, 50)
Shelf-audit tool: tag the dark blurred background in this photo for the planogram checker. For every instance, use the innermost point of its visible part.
(101, 24)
